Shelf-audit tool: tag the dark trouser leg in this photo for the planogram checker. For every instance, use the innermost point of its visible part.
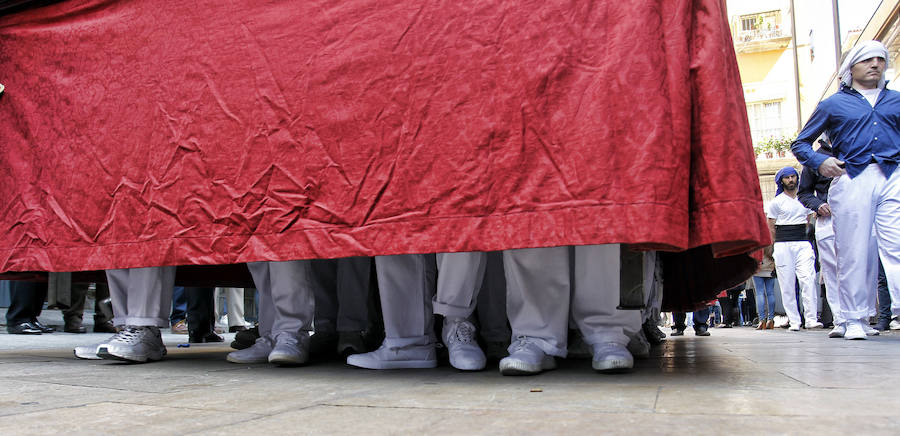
(76, 309)
(701, 317)
(201, 310)
(884, 296)
(102, 308)
(26, 301)
(679, 318)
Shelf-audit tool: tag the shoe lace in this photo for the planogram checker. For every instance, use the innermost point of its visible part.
(465, 333)
(128, 335)
(286, 339)
(522, 343)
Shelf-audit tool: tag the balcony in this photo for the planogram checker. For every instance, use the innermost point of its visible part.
(759, 40)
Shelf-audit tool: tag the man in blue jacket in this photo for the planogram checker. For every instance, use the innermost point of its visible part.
(861, 120)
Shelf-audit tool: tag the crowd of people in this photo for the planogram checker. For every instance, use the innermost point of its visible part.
(534, 305)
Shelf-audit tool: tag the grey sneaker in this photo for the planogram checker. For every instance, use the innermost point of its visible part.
(137, 344)
(465, 354)
(89, 352)
(290, 349)
(526, 358)
(611, 357)
(385, 357)
(256, 353)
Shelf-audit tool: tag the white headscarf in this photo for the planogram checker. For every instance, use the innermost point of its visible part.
(866, 50)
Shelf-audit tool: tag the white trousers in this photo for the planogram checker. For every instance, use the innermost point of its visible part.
(860, 204)
(458, 283)
(286, 302)
(141, 296)
(234, 300)
(541, 294)
(796, 260)
(406, 285)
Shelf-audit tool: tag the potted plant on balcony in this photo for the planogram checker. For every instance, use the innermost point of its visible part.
(782, 145)
(764, 147)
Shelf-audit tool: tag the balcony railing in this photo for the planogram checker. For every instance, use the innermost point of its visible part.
(760, 35)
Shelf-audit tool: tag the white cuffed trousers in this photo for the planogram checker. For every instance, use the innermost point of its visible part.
(867, 201)
(541, 293)
(141, 296)
(796, 260)
(286, 302)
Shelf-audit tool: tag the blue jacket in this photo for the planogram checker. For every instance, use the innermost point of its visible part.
(860, 134)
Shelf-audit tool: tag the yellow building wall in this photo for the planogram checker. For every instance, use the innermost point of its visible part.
(754, 67)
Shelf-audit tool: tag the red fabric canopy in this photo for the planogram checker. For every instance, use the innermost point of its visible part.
(208, 132)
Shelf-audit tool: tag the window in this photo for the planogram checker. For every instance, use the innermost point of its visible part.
(765, 120)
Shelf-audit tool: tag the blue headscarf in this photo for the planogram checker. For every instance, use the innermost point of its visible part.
(784, 172)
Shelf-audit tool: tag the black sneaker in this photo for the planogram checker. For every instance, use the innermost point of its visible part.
(204, 337)
(677, 332)
(701, 330)
(245, 339)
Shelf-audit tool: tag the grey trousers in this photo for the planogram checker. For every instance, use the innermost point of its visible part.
(407, 283)
(286, 302)
(342, 293)
(541, 294)
(141, 296)
(458, 283)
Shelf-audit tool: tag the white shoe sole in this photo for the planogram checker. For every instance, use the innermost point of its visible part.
(87, 352)
(468, 366)
(233, 359)
(613, 365)
(835, 334)
(286, 359)
(110, 353)
(518, 367)
(357, 360)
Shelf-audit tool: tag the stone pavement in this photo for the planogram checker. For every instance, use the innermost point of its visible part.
(737, 381)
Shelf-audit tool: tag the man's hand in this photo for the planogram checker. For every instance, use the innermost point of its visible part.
(824, 210)
(832, 167)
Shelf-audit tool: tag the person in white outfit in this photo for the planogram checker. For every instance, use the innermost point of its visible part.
(409, 301)
(141, 300)
(793, 253)
(540, 295)
(286, 312)
(861, 121)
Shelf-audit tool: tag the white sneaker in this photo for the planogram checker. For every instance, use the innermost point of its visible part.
(854, 330)
(89, 352)
(838, 331)
(611, 357)
(526, 358)
(639, 346)
(794, 328)
(459, 337)
(895, 324)
(134, 344)
(411, 356)
(257, 353)
(868, 329)
(290, 349)
(814, 325)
